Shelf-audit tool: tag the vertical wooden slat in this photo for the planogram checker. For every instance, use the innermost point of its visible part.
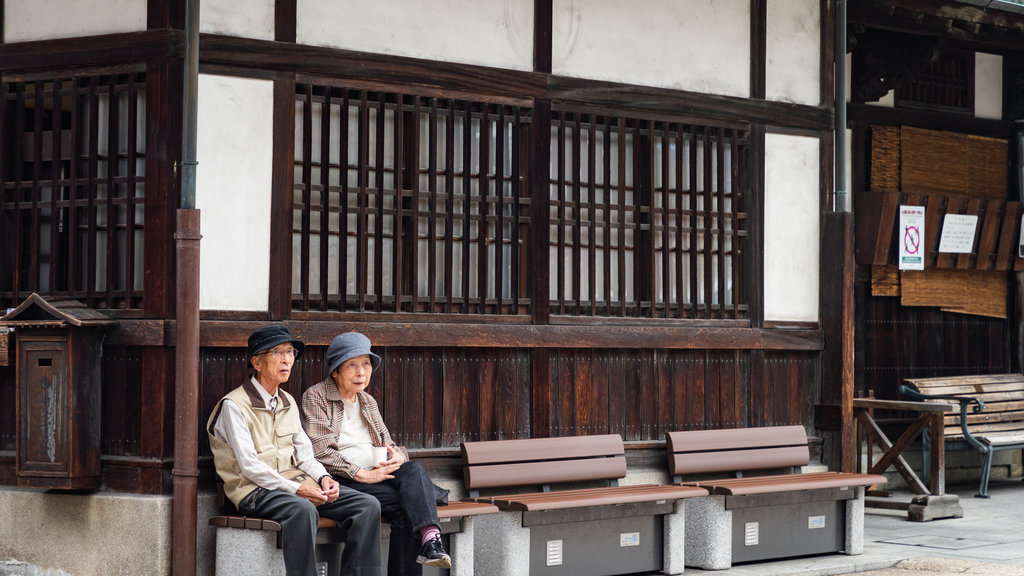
(622, 217)
(499, 213)
(963, 261)
(577, 219)
(1007, 251)
(738, 194)
(517, 177)
(607, 186)
(398, 221)
(932, 226)
(362, 232)
(483, 215)
(680, 253)
(131, 195)
(56, 270)
(37, 155)
(708, 227)
(307, 184)
(413, 177)
(467, 204)
(720, 218)
(695, 217)
(94, 183)
(560, 209)
(74, 274)
(325, 198)
(989, 233)
(380, 173)
(592, 229)
(449, 222)
(113, 137)
(946, 259)
(663, 225)
(344, 234)
(432, 150)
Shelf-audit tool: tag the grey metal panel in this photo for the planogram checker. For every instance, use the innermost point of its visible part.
(789, 530)
(599, 548)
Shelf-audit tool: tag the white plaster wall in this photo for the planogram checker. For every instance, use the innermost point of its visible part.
(793, 63)
(483, 32)
(233, 182)
(697, 45)
(224, 17)
(792, 220)
(26, 20)
(988, 86)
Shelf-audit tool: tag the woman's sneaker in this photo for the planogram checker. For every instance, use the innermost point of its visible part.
(433, 554)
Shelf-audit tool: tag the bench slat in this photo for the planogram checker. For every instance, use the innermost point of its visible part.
(607, 496)
(968, 380)
(730, 438)
(757, 459)
(465, 508)
(541, 449)
(534, 473)
(787, 483)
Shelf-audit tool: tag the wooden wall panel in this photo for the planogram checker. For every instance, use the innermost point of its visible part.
(899, 342)
(785, 394)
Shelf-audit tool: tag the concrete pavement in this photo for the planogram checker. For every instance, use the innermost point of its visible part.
(989, 539)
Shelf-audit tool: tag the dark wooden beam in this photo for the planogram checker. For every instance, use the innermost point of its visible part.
(348, 64)
(758, 48)
(93, 51)
(707, 107)
(885, 116)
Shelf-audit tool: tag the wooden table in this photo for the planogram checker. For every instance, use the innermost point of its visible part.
(930, 502)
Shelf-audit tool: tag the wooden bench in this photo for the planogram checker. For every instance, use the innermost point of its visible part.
(580, 521)
(248, 546)
(772, 515)
(991, 415)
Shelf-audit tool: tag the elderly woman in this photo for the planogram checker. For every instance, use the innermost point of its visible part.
(350, 439)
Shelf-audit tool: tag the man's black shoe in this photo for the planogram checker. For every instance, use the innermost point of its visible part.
(433, 554)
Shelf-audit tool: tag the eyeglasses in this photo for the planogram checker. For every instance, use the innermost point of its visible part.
(278, 354)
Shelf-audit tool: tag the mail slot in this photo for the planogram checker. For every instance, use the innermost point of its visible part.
(58, 389)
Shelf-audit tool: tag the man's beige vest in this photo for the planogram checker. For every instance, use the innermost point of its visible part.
(271, 436)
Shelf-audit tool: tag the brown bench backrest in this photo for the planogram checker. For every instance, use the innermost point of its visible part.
(1003, 395)
(736, 449)
(542, 461)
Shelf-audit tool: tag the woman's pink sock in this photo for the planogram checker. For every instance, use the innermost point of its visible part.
(428, 533)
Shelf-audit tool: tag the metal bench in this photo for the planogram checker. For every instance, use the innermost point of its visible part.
(588, 525)
(991, 416)
(248, 546)
(748, 518)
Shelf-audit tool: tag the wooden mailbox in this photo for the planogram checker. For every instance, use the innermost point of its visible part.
(58, 392)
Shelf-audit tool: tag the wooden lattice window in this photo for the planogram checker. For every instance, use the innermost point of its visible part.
(72, 167)
(945, 84)
(647, 217)
(404, 203)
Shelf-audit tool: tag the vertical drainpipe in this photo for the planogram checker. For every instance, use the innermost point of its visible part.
(186, 396)
(842, 201)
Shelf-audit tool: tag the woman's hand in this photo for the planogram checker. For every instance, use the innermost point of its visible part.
(397, 457)
(378, 473)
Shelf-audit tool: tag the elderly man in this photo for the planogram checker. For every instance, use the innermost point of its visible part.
(266, 463)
